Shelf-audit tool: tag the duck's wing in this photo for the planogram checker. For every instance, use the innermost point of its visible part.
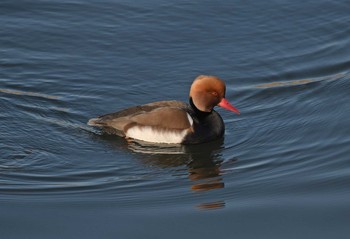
(163, 115)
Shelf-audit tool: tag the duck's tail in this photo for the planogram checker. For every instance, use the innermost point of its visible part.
(96, 122)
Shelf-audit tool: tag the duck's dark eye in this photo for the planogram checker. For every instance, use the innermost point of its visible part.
(214, 93)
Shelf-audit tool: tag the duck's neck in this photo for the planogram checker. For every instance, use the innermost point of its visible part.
(199, 113)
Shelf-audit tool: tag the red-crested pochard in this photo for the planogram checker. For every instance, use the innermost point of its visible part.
(174, 122)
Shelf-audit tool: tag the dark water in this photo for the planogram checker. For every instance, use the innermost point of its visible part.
(282, 170)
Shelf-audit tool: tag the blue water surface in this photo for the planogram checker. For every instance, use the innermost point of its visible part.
(281, 171)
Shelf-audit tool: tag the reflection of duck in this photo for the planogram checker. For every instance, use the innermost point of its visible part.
(208, 178)
(211, 205)
(204, 168)
(174, 121)
(203, 161)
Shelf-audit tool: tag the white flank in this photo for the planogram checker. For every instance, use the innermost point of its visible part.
(150, 134)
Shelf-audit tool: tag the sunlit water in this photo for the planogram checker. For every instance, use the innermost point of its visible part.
(281, 171)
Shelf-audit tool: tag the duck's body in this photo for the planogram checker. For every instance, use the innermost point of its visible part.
(163, 122)
(173, 122)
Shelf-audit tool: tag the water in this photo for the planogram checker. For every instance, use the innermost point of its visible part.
(282, 170)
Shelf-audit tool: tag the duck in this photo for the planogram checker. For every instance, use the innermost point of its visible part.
(171, 121)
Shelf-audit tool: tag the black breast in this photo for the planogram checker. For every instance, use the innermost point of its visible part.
(206, 127)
